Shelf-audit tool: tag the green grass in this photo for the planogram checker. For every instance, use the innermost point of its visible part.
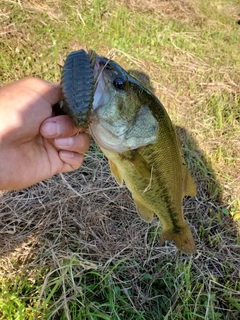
(193, 62)
(96, 296)
(19, 297)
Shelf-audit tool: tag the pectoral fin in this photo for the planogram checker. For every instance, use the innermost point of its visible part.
(143, 211)
(115, 172)
(140, 164)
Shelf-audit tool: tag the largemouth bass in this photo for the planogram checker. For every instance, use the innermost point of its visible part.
(135, 133)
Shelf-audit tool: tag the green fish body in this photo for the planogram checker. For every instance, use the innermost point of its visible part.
(135, 133)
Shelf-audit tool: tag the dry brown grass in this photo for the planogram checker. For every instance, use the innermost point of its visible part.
(85, 217)
(84, 208)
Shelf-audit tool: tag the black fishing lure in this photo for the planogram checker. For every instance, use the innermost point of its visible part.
(78, 87)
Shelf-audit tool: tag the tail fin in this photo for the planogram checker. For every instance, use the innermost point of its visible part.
(183, 239)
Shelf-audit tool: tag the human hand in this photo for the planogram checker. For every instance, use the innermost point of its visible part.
(35, 144)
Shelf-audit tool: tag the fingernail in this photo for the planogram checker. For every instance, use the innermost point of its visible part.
(64, 142)
(51, 128)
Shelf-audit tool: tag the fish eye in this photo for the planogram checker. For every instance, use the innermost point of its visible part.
(119, 83)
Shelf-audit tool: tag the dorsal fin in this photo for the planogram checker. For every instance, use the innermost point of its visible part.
(189, 187)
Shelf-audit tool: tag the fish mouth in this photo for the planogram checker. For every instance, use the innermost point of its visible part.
(98, 64)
